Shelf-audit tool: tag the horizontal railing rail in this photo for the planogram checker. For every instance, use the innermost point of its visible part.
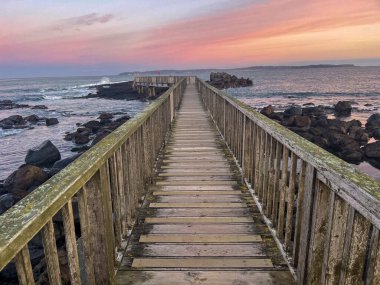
(162, 79)
(105, 185)
(323, 212)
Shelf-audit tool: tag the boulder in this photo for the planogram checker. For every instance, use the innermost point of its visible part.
(105, 116)
(32, 119)
(93, 125)
(343, 108)
(359, 134)
(40, 107)
(302, 121)
(373, 124)
(61, 164)
(267, 111)
(223, 80)
(6, 201)
(17, 119)
(80, 148)
(51, 121)
(100, 136)
(278, 116)
(6, 124)
(372, 150)
(43, 155)
(80, 138)
(84, 131)
(316, 112)
(25, 179)
(293, 111)
(69, 136)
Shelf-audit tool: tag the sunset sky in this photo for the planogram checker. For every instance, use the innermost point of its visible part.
(86, 37)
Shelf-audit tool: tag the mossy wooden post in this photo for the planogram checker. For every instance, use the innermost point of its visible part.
(71, 243)
(99, 238)
(86, 236)
(50, 249)
(24, 267)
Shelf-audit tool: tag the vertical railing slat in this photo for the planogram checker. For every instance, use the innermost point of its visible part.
(51, 255)
(24, 267)
(71, 243)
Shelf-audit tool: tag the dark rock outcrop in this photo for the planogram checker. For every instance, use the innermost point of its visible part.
(9, 104)
(373, 126)
(61, 164)
(33, 119)
(344, 139)
(223, 80)
(43, 155)
(6, 201)
(343, 108)
(51, 121)
(24, 180)
(267, 111)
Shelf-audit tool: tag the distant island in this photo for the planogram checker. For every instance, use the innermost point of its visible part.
(191, 71)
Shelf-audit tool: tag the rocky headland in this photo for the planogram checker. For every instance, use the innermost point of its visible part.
(349, 140)
(223, 80)
(123, 91)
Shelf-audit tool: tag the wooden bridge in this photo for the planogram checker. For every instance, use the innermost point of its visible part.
(200, 189)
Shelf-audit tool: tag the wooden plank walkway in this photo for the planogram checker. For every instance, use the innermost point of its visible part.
(198, 224)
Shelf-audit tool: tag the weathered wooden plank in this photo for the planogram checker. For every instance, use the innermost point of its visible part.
(307, 211)
(338, 231)
(300, 197)
(202, 263)
(200, 238)
(206, 277)
(283, 188)
(196, 205)
(24, 267)
(51, 255)
(86, 236)
(191, 220)
(357, 250)
(198, 193)
(318, 233)
(71, 243)
(290, 205)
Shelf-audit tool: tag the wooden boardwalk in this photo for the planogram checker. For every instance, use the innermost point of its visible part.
(199, 224)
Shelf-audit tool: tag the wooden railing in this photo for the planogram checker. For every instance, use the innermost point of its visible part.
(324, 213)
(106, 184)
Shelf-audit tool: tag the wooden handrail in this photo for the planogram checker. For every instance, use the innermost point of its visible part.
(118, 166)
(324, 213)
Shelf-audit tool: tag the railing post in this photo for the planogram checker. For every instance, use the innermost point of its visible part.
(171, 106)
(307, 223)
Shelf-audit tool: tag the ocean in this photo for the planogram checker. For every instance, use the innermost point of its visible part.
(280, 87)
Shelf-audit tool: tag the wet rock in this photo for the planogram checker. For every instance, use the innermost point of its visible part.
(100, 136)
(84, 131)
(33, 119)
(359, 134)
(278, 116)
(267, 111)
(80, 148)
(43, 155)
(368, 105)
(302, 122)
(336, 125)
(6, 201)
(21, 181)
(223, 80)
(372, 150)
(122, 119)
(69, 136)
(343, 108)
(373, 125)
(293, 111)
(8, 104)
(316, 112)
(51, 121)
(93, 125)
(6, 124)
(61, 164)
(40, 107)
(80, 138)
(308, 104)
(105, 116)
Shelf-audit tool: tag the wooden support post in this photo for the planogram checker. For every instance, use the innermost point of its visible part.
(24, 267)
(50, 249)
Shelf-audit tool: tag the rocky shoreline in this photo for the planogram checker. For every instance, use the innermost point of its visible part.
(349, 140)
(223, 80)
(44, 161)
